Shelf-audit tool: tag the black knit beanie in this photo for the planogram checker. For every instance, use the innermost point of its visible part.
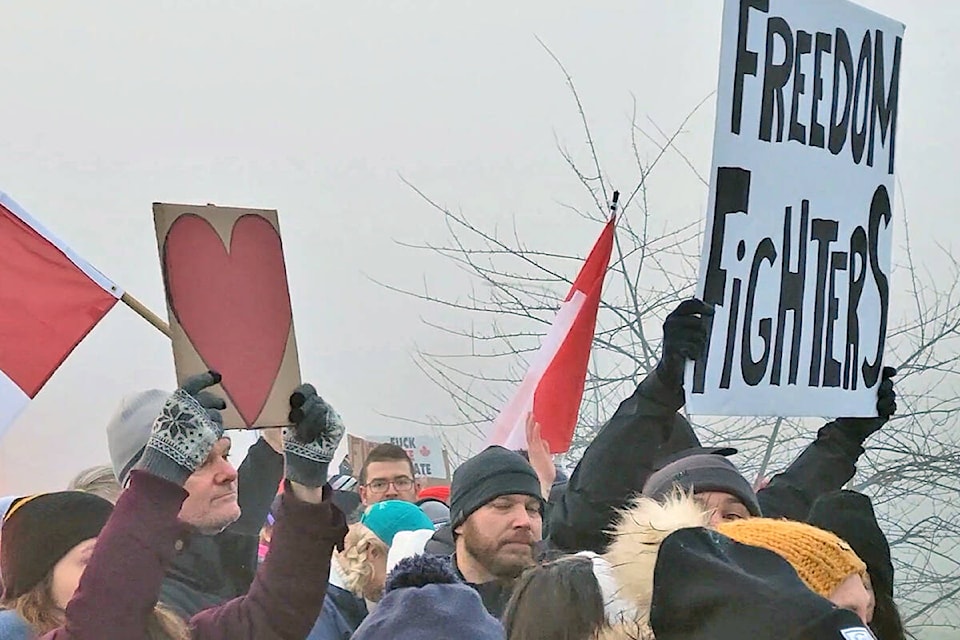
(850, 516)
(492, 473)
(39, 530)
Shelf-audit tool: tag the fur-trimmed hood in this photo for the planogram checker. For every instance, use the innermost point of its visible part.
(636, 539)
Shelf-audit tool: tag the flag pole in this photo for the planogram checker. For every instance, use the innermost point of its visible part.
(613, 205)
(145, 313)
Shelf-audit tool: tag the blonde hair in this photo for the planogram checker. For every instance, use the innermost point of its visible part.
(355, 559)
(38, 610)
(100, 481)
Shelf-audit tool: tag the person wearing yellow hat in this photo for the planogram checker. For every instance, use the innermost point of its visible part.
(825, 563)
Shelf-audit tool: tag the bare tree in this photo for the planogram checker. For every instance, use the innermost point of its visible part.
(912, 467)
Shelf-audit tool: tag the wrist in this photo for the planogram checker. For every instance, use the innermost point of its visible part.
(309, 473)
(158, 464)
(308, 494)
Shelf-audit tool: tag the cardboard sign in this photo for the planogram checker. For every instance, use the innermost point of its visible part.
(796, 252)
(426, 452)
(229, 306)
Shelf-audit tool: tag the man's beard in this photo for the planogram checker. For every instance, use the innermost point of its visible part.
(504, 567)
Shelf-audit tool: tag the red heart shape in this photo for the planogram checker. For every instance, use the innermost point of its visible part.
(234, 307)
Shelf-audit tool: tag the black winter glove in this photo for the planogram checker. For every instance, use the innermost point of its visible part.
(187, 428)
(860, 429)
(684, 338)
(310, 443)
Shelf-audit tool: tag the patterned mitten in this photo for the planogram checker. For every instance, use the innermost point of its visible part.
(309, 444)
(186, 430)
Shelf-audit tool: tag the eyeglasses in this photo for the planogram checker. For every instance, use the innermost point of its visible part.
(402, 483)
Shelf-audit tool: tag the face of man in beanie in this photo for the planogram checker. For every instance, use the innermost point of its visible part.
(496, 542)
(212, 504)
(723, 507)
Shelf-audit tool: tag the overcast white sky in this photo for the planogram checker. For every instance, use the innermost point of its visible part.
(315, 108)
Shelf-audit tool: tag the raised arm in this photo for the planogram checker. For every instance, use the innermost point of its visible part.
(288, 591)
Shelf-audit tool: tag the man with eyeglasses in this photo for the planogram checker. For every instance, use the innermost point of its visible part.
(388, 474)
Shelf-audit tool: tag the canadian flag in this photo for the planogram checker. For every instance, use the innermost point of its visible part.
(50, 299)
(553, 386)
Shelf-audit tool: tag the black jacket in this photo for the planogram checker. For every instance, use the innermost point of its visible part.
(494, 595)
(645, 428)
(826, 465)
(213, 569)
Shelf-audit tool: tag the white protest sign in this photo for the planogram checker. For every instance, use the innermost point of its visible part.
(798, 235)
(425, 451)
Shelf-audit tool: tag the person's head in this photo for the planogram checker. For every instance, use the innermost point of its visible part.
(708, 586)
(560, 600)
(851, 516)
(826, 564)
(436, 510)
(99, 480)
(388, 474)
(714, 482)
(423, 598)
(48, 541)
(496, 515)
(363, 562)
(439, 492)
(367, 547)
(211, 505)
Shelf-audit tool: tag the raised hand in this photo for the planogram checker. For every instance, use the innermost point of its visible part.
(188, 427)
(311, 441)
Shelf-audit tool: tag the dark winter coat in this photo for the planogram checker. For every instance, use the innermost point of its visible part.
(645, 428)
(494, 595)
(122, 581)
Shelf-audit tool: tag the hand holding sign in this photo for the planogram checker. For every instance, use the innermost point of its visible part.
(310, 443)
(684, 338)
(862, 428)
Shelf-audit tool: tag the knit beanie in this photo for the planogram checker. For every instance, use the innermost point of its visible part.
(850, 515)
(129, 429)
(709, 587)
(437, 511)
(389, 517)
(39, 530)
(699, 473)
(423, 600)
(821, 559)
(492, 473)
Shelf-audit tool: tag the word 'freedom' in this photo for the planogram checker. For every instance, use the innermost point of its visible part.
(860, 101)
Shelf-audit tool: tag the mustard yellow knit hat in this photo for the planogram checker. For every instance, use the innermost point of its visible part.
(821, 559)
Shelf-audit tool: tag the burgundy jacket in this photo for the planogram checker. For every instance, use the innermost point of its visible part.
(120, 585)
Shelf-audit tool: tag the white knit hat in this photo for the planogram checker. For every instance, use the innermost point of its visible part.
(129, 429)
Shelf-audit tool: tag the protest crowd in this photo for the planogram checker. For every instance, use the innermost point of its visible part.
(654, 535)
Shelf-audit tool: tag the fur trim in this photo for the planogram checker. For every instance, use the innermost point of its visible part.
(626, 631)
(636, 542)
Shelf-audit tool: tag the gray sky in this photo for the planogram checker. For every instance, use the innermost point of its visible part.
(315, 109)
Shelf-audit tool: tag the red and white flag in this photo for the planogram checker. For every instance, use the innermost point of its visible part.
(553, 386)
(50, 299)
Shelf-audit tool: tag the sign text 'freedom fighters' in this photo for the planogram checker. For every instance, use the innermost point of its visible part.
(797, 251)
